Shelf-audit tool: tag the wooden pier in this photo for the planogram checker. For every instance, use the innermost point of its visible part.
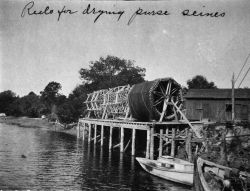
(164, 132)
(155, 107)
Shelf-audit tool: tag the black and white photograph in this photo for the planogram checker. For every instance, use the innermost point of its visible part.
(125, 95)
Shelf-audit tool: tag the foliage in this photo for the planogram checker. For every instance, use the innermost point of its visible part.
(6, 99)
(73, 108)
(50, 95)
(29, 105)
(102, 74)
(200, 82)
(105, 73)
(111, 72)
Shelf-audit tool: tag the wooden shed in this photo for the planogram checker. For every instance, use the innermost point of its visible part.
(216, 104)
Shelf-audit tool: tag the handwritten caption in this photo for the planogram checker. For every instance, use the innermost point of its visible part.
(31, 10)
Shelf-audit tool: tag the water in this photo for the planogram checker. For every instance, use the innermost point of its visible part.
(36, 159)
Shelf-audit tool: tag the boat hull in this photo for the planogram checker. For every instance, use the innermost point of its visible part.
(171, 174)
(201, 166)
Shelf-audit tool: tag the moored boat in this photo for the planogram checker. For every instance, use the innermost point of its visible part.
(169, 168)
(209, 176)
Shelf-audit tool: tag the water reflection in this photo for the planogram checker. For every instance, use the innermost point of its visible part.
(56, 161)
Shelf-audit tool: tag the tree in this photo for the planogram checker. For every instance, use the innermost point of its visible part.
(6, 99)
(74, 106)
(102, 74)
(29, 105)
(200, 82)
(50, 94)
(111, 72)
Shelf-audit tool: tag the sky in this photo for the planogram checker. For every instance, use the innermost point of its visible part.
(38, 49)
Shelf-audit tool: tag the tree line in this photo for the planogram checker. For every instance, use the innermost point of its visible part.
(102, 74)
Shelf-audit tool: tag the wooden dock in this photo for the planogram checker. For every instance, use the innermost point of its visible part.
(166, 132)
(158, 102)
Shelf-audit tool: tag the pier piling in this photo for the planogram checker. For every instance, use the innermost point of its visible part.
(122, 140)
(102, 131)
(133, 142)
(83, 131)
(95, 132)
(148, 144)
(168, 133)
(152, 143)
(78, 130)
(89, 138)
(173, 143)
(160, 142)
(110, 137)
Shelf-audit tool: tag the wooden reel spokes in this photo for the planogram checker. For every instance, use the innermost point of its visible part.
(163, 95)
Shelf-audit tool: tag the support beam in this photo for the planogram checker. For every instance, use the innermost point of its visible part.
(133, 142)
(117, 145)
(160, 142)
(122, 140)
(148, 144)
(102, 132)
(95, 132)
(110, 137)
(173, 143)
(89, 138)
(152, 143)
(93, 139)
(127, 145)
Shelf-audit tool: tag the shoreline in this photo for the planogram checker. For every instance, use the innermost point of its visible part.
(36, 123)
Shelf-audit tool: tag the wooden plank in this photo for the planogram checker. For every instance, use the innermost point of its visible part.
(122, 140)
(89, 138)
(173, 143)
(133, 142)
(165, 104)
(152, 143)
(102, 133)
(110, 137)
(95, 132)
(132, 124)
(148, 144)
(160, 142)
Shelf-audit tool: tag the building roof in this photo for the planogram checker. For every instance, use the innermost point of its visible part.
(217, 94)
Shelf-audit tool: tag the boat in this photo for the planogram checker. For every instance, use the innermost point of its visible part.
(209, 176)
(169, 168)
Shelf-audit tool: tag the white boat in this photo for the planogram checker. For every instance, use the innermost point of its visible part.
(169, 168)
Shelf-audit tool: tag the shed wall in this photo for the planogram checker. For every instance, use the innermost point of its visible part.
(217, 110)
